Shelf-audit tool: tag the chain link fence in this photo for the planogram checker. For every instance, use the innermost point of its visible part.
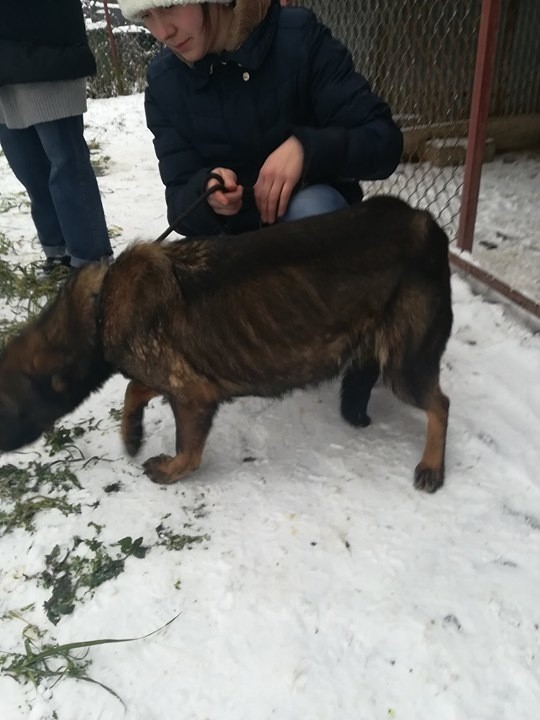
(419, 55)
(122, 50)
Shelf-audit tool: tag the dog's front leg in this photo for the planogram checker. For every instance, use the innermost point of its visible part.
(136, 399)
(193, 422)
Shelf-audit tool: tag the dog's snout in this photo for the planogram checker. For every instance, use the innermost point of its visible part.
(20, 423)
(9, 424)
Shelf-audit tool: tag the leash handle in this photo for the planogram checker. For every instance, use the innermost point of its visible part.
(206, 194)
(219, 178)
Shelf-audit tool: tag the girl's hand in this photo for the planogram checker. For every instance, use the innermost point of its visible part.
(229, 202)
(277, 179)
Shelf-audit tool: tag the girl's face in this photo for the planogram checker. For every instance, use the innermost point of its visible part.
(181, 28)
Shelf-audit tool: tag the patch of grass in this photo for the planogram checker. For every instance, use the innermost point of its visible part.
(22, 514)
(116, 414)
(114, 231)
(25, 285)
(16, 200)
(73, 576)
(26, 291)
(132, 547)
(112, 488)
(15, 482)
(17, 614)
(177, 541)
(100, 163)
(5, 245)
(199, 509)
(62, 438)
(36, 289)
(8, 280)
(22, 493)
(40, 662)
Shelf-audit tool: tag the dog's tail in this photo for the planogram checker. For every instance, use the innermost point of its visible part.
(418, 319)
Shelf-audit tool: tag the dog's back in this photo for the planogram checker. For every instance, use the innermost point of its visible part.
(380, 233)
(275, 309)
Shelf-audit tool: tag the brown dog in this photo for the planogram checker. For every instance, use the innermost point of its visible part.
(203, 320)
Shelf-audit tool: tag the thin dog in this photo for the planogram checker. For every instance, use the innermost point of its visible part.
(357, 293)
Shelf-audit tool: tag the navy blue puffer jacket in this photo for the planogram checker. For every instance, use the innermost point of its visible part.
(290, 77)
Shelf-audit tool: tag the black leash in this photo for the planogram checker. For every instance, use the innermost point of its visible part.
(206, 194)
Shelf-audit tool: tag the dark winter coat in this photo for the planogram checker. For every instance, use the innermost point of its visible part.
(42, 40)
(290, 77)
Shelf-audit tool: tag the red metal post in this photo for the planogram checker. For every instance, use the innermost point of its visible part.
(115, 60)
(483, 78)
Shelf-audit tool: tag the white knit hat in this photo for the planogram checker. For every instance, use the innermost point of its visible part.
(132, 9)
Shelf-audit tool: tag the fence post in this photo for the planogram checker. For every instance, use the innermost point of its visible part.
(115, 59)
(483, 78)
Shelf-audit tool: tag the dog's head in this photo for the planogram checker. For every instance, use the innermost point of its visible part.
(28, 407)
(52, 365)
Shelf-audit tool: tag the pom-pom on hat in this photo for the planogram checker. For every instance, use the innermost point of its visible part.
(132, 9)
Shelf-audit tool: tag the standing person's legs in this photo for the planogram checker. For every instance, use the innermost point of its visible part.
(27, 159)
(314, 200)
(74, 190)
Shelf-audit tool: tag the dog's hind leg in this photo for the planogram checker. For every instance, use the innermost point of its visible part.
(429, 473)
(419, 386)
(193, 422)
(136, 399)
(356, 387)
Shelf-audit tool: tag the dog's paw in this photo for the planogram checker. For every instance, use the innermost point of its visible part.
(358, 419)
(157, 470)
(428, 479)
(354, 416)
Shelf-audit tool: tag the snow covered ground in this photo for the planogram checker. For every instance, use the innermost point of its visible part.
(312, 581)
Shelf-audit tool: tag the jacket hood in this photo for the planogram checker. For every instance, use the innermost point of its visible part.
(247, 15)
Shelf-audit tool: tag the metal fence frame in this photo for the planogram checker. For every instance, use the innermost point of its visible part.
(488, 37)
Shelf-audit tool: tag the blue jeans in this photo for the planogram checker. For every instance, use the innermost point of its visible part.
(314, 200)
(52, 161)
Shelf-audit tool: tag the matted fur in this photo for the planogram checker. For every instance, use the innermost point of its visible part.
(203, 320)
